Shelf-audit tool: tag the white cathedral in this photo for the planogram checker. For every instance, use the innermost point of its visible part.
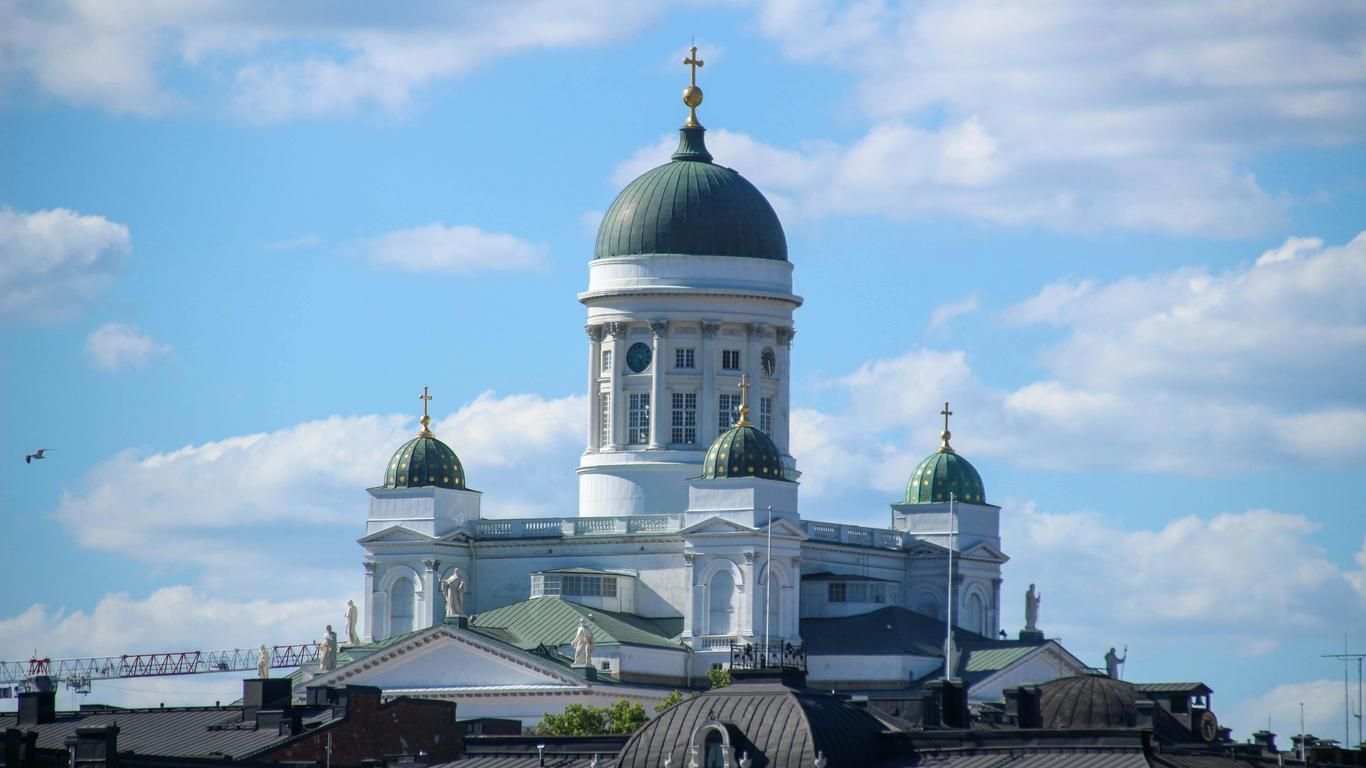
(688, 536)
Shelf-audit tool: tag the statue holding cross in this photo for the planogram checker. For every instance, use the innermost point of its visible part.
(692, 95)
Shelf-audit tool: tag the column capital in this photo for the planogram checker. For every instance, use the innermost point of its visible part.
(431, 565)
(710, 328)
(688, 558)
(755, 329)
(749, 558)
(595, 332)
(659, 327)
(785, 335)
(617, 329)
(369, 566)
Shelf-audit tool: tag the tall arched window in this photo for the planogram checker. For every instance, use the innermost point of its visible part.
(722, 603)
(401, 607)
(714, 749)
(771, 597)
(976, 614)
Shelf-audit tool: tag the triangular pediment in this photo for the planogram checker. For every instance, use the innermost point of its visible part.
(984, 551)
(926, 549)
(713, 525)
(448, 657)
(786, 528)
(395, 534)
(461, 536)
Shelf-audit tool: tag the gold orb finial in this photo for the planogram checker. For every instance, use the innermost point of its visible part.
(426, 420)
(692, 95)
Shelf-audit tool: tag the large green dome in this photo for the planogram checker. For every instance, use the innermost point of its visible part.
(423, 462)
(691, 206)
(743, 451)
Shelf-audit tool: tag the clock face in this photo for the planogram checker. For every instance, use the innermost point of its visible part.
(638, 357)
(769, 360)
(1209, 726)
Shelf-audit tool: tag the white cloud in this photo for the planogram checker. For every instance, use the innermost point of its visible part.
(117, 346)
(1186, 371)
(456, 250)
(54, 262)
(1193, 579)
(173, 618)
(942, 314)
(282, 63)
(1322, 701)
(221, 504)
(1080, 115)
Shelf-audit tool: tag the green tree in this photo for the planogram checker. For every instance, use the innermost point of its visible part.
(719, 676)
(623, 717)
(668, 701)
(577, 720)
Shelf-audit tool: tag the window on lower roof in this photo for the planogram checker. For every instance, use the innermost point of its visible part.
(837, 592)
(573, 585)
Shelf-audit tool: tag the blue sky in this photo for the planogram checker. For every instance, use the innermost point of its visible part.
(236, 240)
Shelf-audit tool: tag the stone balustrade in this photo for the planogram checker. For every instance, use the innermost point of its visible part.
(569, 527)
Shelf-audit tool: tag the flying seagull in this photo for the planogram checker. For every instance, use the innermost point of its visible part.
(35, 455)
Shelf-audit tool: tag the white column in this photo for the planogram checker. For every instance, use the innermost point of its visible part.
(659, 410)
(430, 587)
(749, 602)
(595, 333)
(690, 606)
(706, 431)
(782, 406)
(370, 601)
(754, 333)
(617, 343)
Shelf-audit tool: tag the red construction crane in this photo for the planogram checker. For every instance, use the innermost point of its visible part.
(16, 676)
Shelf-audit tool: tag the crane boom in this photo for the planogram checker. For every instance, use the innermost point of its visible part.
(79, 672)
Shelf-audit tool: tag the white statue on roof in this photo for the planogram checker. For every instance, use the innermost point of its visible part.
(583, 644)
(1032, 600)
(263, 662)
(352, 613)
(453, 589)
(327, 653)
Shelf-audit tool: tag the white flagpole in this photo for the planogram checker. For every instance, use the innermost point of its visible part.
(948, 625)
(768, 584)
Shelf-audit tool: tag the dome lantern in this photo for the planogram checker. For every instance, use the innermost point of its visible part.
(425, 461)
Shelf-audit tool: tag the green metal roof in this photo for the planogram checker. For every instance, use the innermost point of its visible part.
(743, 451)
(993, 659)
(942, 473)
(552, 621)
(422, 462)
(691, 206)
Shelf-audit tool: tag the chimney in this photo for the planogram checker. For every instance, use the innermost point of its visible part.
(38, 706)
(270, 693)
(94, 747)
(947, 704)
(1022, 706)
(19, 748)
(1266, 740)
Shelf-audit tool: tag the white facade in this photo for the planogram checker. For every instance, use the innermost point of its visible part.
(705, 321)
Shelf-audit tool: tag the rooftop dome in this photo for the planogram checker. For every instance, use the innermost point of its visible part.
(425, 461)
(777, 726)
(1088, 702)
(691, 206)
(945, 472)
(743, 450)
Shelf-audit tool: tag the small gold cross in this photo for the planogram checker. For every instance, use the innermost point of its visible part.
(694, 62)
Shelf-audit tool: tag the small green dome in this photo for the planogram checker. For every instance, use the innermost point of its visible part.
(743, 451)
(942, 473)
(423, 462)
(691, 206)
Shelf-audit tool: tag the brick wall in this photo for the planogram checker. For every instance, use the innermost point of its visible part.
(373, 730)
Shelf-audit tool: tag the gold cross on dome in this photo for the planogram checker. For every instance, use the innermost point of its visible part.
(744, 401)
(946, 413)
(426, 420)
(694, 62)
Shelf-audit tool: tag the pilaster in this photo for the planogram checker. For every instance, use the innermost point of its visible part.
(430, 588)
(690, 606)
(595, 334)
(782, 408)
(370, 601)
(617, 343)
(754, 335)
(706, 431)
(659, 410)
